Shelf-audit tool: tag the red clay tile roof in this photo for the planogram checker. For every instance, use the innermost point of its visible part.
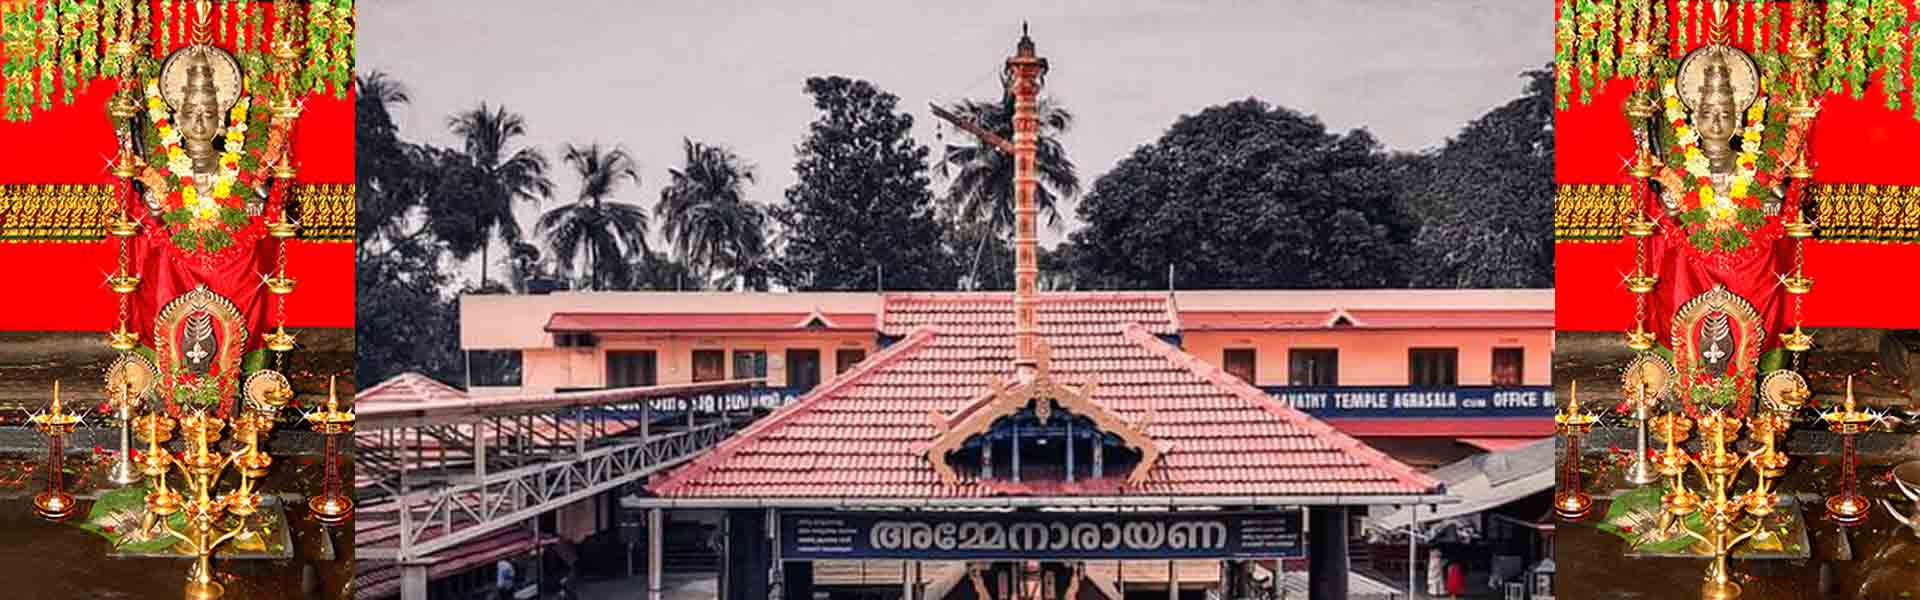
(857, 435)
(567, 322)
(408, 388)
(1287, 320)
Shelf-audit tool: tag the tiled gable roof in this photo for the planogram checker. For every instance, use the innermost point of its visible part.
(408, 388)
(857, 436)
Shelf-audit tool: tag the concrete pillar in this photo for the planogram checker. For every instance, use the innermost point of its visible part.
(910, 579)
(1173, 580)
(1279, 567)
(479, 451)
(1327, 553)
(654, 534)
(413, 581)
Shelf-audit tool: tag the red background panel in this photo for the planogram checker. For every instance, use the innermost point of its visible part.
(61, 286)
(1852, 141)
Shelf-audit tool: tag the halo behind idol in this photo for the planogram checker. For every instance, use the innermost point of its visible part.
(226, 75)
(1741, 69)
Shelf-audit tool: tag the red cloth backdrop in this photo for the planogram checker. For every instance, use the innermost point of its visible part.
(1852, 141)
(62, 286)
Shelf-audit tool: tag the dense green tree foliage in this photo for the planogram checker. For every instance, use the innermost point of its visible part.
(861, 214)
(1247, 195)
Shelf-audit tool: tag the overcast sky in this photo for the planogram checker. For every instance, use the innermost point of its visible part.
(643, 74)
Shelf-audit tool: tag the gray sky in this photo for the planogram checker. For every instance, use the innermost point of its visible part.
(643, 74)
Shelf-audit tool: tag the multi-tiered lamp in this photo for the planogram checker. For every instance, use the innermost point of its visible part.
(1571, 502)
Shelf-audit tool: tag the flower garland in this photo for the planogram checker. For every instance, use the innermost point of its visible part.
(203, 216)
(1717, 222)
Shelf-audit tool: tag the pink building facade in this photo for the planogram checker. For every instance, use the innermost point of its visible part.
(1470, 365)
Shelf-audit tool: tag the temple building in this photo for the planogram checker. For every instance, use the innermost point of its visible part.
(965, 445)
(1391, 366)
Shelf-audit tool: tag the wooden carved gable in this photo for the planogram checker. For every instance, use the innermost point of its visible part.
(1041, 395)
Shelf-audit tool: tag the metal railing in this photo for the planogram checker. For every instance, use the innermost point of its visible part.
(433, 476)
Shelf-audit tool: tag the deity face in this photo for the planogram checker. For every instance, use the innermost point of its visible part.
(199, 117)
(1717, 119)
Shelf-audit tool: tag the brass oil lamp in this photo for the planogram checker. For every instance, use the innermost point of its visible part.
(331, 507)
(55, 504)
(1642, 471)
(123, 471)
(1847, 507)
(1723, 510)
(1570, 502)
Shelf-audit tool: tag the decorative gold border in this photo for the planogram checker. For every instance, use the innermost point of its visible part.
(325, 211)
(1842, 212)
(54, 212)
(1746, 358)
(61, 212)
(1867, 213)
(1590, 213)
(232, 324)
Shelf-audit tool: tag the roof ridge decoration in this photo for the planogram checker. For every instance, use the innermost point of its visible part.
(1320, 429)
(665, 482)
(1002, 400)
(816, 315)
(1338, 314)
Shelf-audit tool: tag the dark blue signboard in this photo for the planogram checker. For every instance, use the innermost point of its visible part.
(1377, 402)
(1039, 535)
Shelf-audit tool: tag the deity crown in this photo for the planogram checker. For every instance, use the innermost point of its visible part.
(1717, 84)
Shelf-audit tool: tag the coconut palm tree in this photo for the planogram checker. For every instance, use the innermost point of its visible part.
(607, 231)
(705, 215)
(980, 176)
(382, 162)
(500, 175)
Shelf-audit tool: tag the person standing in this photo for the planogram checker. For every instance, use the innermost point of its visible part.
(503, 579)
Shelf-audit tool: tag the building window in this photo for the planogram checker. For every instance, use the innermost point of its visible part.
(1433, 367)
(749, 364)
(1240, 363)
(709, 365)
(1509, 366)
(629, 368)
(499, 368)
(1313, 366)
(845, 359)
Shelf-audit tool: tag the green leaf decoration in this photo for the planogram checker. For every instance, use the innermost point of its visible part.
(253, 361)
(1634, 514)
(216, 240)
(185, 239)
(237, 218)
(117, 512)
(1702, 239)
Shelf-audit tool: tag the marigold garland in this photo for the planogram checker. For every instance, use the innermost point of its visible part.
(203, 216)
(1715, 222)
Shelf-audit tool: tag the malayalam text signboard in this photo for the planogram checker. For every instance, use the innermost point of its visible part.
(1418, 402)
(817, 535)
